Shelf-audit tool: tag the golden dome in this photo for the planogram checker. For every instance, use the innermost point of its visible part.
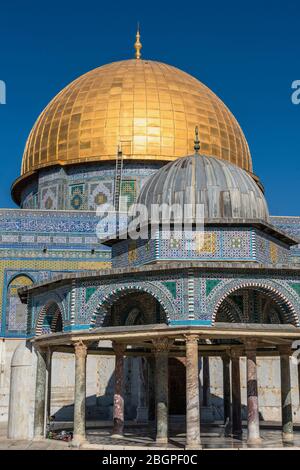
(149, 108)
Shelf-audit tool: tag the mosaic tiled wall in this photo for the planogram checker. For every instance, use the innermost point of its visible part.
(170, 290)
(222, 244)
(187, 296)
(92, 298)
(133, 252)
(38, 245)
(290, 225)
(215, 243)
(84, 188)
(270, 251)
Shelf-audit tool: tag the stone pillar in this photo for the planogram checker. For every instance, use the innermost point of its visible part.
(161, 350)
(206, 382)
(193, 440)
(40, 395)
(236, 393)
(286, 395)
(49, 370)
(226, 389)
(118, 413)
(252, 394)
(80, 393)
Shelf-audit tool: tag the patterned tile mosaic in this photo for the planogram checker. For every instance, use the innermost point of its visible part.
(85, 186)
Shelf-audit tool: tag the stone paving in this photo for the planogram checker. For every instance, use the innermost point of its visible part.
(212, 437)
(142, 437)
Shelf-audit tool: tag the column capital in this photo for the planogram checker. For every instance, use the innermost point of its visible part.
(284, 349)
(191, 339)
(80, 349)
(226, 357)
(119, 348)
(161, 345)
(236, 353)
(250, 344)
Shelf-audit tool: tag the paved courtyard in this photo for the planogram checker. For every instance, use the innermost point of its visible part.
(142, 437)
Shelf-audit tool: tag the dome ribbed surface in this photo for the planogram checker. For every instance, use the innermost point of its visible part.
(225, 190)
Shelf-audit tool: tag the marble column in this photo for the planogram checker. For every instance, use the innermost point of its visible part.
(193, 440)
(161, 352)
(118, 413)
(253, 436)
(40, 394)
(49, 369)
(80, 394)
(226, 388)
(286, 394)
(236, 393)
(206, 382)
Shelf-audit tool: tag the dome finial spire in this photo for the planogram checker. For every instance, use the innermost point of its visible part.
(196, 141)
(138, 44)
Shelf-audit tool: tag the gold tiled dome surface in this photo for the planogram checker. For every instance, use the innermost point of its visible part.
(149, 108)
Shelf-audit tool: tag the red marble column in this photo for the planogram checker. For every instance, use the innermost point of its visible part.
(193, 440)
(286, 394)
(236, 393)
(252, 394)
(118, 413)
(80, 393)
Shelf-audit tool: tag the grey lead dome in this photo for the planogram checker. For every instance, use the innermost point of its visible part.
(227, 191)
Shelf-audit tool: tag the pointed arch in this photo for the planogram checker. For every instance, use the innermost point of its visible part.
(280, 296)
(50, 319)
(108, 297)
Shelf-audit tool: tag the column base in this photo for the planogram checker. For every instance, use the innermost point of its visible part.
(194, 446)
(287, 437)
(116, 435)
(78, 441)
(161, 440)
(38, 438)
(254, 441)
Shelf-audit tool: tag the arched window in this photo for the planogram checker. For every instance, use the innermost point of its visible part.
(16, 312)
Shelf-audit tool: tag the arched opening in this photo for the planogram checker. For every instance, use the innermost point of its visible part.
(50, 320)
(133, 308)
(254, 305)
(16, 311)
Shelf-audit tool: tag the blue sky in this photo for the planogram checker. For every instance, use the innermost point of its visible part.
(247, 52)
